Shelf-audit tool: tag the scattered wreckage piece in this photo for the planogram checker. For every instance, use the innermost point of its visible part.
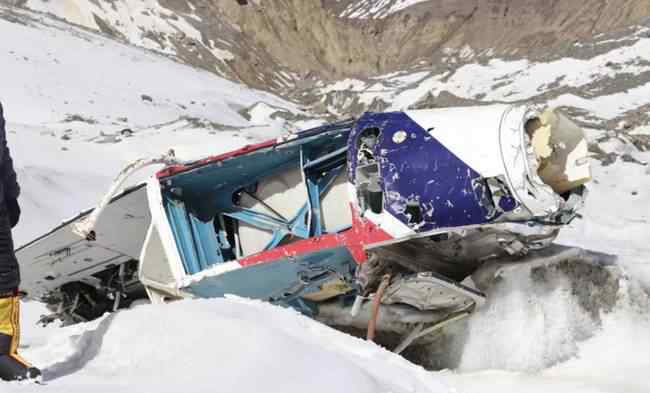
(401, 206)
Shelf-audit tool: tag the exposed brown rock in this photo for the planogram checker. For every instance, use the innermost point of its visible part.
(307, 36)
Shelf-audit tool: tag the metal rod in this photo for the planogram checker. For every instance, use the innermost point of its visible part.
(266, 205)
(418, 331)
(86, 227)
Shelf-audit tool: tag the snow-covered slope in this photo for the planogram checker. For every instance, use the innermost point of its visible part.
(68, 93)
(191, 32)
(135, 21)
(63, 71)
(146, 24)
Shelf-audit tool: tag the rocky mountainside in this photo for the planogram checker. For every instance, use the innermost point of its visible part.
(279, 44)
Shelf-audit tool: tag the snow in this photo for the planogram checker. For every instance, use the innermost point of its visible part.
(131, 18)
(222, 54)
(231, 345)
(553, 319)
(56, 76)
(376, 9)
(521, 341)
(262, 113)
(175, 90)
(607, 106)
(617, 213)
(644, 130)
(613, 360)
(145, 23)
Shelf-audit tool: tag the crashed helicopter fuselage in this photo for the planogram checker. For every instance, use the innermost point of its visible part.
(395, 209)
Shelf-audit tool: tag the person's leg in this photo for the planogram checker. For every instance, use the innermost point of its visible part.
(12, 366)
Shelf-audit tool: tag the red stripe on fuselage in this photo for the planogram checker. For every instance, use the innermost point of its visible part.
(362, 233)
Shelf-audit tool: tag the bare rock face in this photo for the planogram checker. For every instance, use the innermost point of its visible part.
(310, 36)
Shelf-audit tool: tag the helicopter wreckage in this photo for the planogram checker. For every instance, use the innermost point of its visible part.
(376, 223)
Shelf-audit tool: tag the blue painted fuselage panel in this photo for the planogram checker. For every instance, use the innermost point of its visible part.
(421, 171)
(282, 281)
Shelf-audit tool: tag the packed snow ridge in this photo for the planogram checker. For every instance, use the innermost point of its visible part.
(221, 345)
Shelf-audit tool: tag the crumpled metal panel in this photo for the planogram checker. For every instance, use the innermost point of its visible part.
(429, 291)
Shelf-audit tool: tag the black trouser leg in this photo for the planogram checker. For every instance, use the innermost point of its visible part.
(9, 272)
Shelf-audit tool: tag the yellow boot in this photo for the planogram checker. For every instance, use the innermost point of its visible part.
(12, 366)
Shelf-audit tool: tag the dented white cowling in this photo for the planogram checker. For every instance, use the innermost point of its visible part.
(545, 157)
